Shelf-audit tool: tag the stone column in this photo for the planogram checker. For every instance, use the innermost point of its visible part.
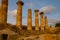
(19, 15)
(3, 12)
(36, 20)
(29, 19)
(46, 22)
(42, 21)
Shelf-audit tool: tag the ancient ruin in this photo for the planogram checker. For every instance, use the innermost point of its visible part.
(46, 23)
(19, 14)
(42, 21)
(3, 12)
(20, 32)
(36, 20)
(29, 19)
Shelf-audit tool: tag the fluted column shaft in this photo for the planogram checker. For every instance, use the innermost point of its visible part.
(29, 19)
(3, 12)
(36, 20)
(42, 21)
(46, 22)
(19, 14)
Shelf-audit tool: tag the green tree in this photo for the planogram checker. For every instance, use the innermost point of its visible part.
(57, 25)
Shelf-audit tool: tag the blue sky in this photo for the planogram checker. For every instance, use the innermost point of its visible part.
(51, 9)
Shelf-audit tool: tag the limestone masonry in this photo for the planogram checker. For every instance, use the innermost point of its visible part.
(19, 14)
(20, 32)
(3, 12)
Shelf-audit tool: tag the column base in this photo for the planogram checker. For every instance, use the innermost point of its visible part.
(42, 29)
(29, 29)
(37, 29)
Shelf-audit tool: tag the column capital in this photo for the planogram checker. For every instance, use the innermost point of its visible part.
(29, 9)
(41, 13)
(20, 2)
(36, 10)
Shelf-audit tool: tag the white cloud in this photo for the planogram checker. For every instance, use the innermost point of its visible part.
(48, 9)
(12, 12)
(53, 21)
(12, 16)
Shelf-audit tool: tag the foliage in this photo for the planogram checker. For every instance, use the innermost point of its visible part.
(57, 25)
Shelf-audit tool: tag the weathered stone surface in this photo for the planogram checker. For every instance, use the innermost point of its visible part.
(3, 12)
(29, 24)
(36, 19)
(2, 26)
(46, 22)
(14, 31)
(19, 15)
(42, 21)
(12, 37)
(51, 37)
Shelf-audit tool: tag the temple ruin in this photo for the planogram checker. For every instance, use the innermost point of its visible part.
(46, 22)
(19, 14)
(36, 19)
(16, 32)
(3, 12)
(42, 21)
(29, 19)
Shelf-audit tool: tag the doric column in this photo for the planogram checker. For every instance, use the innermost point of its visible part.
(42, 21)
(36, 20)
(46, 22)
(19, 15)
(29, 19)
(3, 12)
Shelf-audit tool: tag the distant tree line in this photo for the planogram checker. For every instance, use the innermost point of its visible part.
(57, 25)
